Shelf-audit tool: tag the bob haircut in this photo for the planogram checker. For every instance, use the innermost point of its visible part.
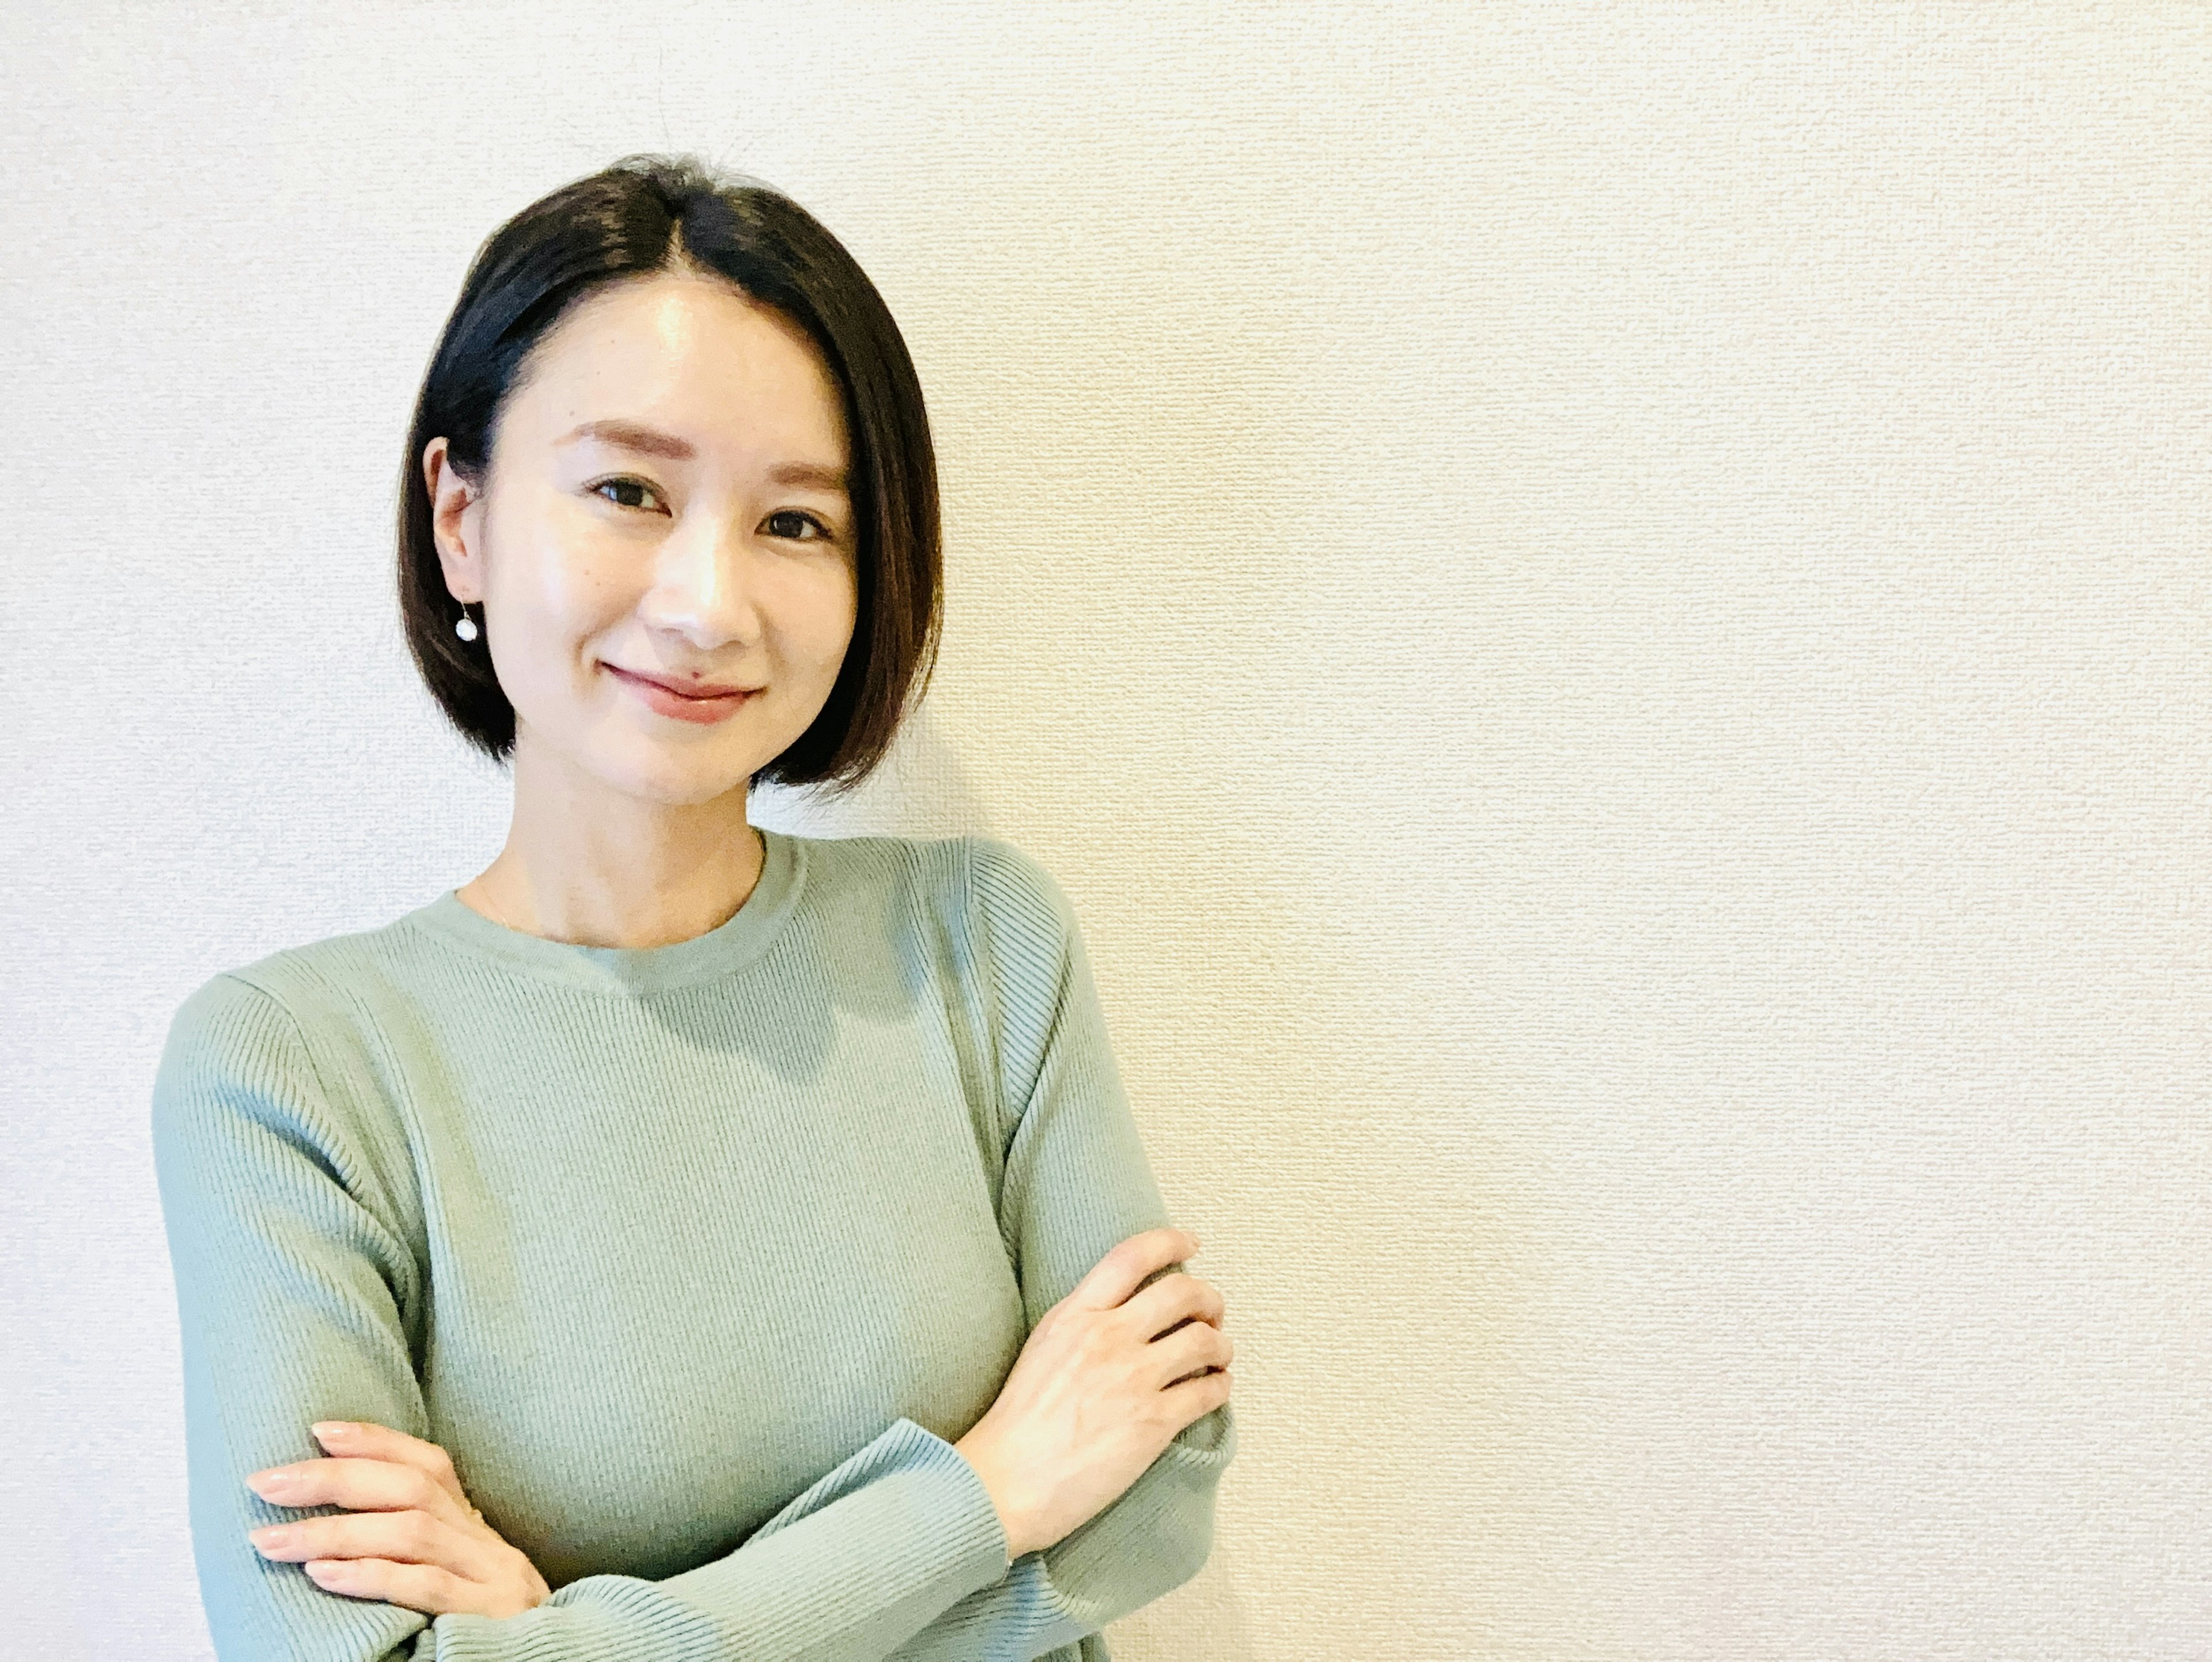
(652, 213)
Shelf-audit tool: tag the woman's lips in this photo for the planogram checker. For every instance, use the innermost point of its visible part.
(682, 706)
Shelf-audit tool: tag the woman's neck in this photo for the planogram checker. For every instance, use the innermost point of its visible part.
(595, 867)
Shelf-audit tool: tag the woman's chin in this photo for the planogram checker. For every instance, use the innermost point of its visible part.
(679, 787)
(648, 768)
(669, 777)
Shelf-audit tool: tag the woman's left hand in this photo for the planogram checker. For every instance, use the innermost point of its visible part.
(412, 1538)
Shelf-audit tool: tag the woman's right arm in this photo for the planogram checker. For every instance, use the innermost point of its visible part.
(291, 1284)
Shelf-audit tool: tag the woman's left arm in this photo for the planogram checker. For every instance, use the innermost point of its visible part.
(1077, 1182)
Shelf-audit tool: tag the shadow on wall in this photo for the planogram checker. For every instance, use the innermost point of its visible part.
(921, 789)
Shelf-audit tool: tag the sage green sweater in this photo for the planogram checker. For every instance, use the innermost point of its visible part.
(696, 1258)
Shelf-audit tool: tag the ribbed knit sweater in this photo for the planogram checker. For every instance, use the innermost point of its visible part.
(696, 1258)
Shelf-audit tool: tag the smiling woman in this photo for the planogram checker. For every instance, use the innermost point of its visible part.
(693, 561)
(684, 1239)
(662, 458)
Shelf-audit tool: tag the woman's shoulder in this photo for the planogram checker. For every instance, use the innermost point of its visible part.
(253, 1050)
(291, 999)
(274, 1061)
(976, 877)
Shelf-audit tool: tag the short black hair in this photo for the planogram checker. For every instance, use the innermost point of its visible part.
(649, 213)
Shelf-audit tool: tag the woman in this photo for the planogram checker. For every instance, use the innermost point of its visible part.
(684, 1239)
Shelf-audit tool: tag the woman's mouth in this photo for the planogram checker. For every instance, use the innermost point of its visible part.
(666, 698)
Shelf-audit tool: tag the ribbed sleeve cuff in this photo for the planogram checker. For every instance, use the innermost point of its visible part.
(866, 1557)
(940, 1475)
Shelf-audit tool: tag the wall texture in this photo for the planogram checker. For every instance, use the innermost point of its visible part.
(1603, 608)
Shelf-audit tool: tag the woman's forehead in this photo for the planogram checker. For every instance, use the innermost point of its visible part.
(697, 362)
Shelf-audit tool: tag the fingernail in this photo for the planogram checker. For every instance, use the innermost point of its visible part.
(266, 1481)
(276, 1535)
(331, 1428)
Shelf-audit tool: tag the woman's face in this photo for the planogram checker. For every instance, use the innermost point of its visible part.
(666, 501)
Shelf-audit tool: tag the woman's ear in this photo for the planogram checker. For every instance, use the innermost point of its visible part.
(455, 523)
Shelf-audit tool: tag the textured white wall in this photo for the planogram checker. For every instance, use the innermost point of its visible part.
(1603, 608)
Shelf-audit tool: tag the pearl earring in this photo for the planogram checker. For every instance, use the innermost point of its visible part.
(466, 628)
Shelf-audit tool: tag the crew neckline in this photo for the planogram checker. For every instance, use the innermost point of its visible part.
(723, 950)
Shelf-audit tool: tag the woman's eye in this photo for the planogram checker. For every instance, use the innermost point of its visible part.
(787, 521)
(604, 485)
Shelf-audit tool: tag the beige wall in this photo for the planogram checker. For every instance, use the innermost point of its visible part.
(1604, 610)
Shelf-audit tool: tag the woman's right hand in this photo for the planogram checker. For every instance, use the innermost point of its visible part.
(1106, 1379)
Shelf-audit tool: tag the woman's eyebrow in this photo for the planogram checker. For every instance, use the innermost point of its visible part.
(632, 436)
(652, 442)
(813, 474)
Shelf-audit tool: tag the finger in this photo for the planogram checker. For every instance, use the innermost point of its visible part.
(359, 1485)
(1126, 1265)
(1200, 1394)
(413, 1537)
(366, 1439)
(413, 1587)
(1172, 1300)
(1189, 1350)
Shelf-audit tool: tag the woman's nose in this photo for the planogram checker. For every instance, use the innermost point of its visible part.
(702, 584)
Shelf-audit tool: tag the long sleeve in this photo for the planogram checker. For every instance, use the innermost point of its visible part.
(1077, 1182)
(299, 1299)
